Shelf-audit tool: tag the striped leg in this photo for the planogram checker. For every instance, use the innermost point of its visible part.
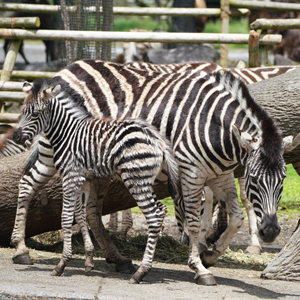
(192, 195)
(36, 177)
(98, 191)
(254, 247)
(113, 221)
(206, 218)
(224, 189)
(71, 183)
(154, 215)
(126, 223)
(80, 217)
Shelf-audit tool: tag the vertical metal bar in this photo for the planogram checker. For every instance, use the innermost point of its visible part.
(66, 21)
(9, 63)
(224, 29)
(97, 28)
(107, 25)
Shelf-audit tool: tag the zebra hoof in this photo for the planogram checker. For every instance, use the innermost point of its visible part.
(206, 279)
(136, 278)
(253, 250)
(88, 269)
(208, 258)
(22, 259)
(126, 268)
(56, 272)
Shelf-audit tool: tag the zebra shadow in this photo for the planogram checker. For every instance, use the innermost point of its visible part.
(172, 274)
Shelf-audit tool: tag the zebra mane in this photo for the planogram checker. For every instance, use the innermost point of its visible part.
(42, 84)
(271, 145)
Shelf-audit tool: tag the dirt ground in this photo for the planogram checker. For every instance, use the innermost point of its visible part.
(165, 281)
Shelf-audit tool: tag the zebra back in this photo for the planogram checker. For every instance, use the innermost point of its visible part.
(248, 75)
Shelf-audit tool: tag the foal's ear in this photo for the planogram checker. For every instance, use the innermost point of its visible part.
(246, 140)
(51, 92)
(26, 87)
(290, 142)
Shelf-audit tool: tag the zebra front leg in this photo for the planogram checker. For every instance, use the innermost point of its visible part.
(206, 218)
(224, 190)
(98, 191)
(254, 247)
(113, 222)
(192, 181)
(40, 170)
(80, 217)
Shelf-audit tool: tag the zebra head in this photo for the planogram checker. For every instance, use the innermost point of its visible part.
(264, 174)
(34, 111)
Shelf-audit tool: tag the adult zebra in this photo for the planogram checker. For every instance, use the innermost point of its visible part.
(249, 76)
(186, 108)
(131, 150)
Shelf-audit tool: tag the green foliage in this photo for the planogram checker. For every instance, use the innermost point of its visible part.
(146, 23)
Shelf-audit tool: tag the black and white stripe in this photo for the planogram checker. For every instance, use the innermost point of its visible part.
(212, 122)
(131, 150)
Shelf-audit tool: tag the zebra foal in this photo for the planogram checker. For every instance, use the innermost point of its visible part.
(131, 150)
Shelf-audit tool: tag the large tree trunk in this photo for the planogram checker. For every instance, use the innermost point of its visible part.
(278, 95)
(286, 265)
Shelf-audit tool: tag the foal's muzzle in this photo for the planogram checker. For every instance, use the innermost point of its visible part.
(18, 136)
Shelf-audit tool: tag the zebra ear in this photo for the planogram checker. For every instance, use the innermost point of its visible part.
(26, 87)
(51, 92)
(290, 142)
(246, 140)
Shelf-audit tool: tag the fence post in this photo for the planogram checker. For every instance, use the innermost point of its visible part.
(224, 29)
(9, 63)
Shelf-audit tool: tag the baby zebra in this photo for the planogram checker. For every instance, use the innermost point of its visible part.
(131, 150)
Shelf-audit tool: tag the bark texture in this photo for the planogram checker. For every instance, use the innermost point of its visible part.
(286, 265)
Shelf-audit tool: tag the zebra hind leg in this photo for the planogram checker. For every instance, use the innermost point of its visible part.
(154, 217)
(80, 216)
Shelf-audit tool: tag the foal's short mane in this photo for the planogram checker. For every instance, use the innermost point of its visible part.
(271, 135)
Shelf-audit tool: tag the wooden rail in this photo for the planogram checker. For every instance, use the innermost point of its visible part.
(112, 36)
(125, 11)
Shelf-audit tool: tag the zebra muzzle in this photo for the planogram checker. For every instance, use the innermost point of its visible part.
(18, 136)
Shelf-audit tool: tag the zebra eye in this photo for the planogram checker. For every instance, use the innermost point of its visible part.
(254, 180)
(35, 114)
